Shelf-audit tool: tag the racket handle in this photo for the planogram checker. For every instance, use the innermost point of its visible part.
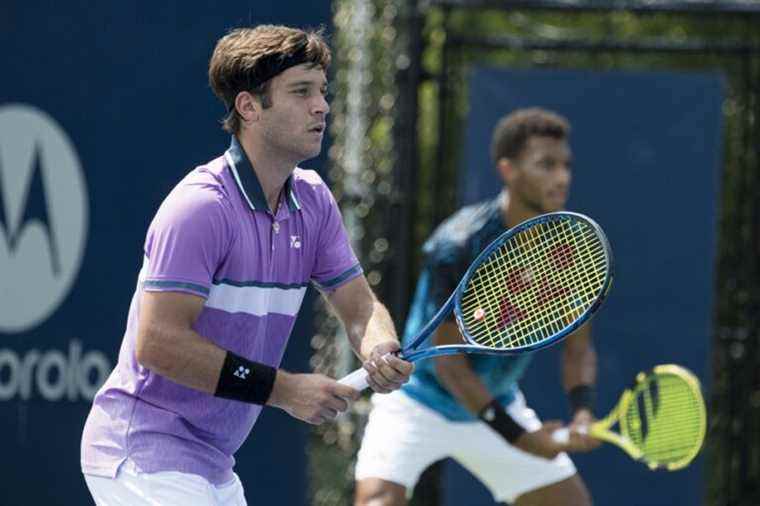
(562, 435)
(356, 379)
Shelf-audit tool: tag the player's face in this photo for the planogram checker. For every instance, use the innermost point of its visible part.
(542, 174)
(295, 122)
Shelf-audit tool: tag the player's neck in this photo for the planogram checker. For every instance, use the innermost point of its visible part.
(271, 169)
(515, 212)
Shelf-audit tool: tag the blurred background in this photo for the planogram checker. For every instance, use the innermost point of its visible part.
(105, 106)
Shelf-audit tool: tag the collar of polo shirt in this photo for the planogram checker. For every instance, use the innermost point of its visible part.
(249, 184)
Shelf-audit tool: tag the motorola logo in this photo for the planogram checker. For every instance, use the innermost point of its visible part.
(43, 232)
(52, 374)
(43, 216)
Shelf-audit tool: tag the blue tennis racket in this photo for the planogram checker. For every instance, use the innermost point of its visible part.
(531, 287)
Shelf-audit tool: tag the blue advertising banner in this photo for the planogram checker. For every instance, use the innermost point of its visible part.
(647, 154)
(104, 106)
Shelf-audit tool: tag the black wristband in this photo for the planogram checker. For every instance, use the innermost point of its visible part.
(244, 380)
(582, 397)
(500, 421)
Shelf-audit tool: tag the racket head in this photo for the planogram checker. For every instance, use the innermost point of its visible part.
(663, 417)
(534, 284)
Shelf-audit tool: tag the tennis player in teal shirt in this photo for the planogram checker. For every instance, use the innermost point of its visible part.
(469, 407)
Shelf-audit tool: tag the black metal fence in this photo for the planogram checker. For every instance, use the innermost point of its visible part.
(634, 35)
(428, 46)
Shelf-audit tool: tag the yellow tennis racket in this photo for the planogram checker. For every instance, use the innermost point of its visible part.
(661, 417)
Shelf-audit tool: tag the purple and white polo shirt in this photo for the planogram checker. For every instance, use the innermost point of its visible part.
(215, 237)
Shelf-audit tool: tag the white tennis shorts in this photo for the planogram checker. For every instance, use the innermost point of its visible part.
(135, 488)
(404, 437)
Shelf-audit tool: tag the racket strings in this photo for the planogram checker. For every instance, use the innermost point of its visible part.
(535, 284)
(494, 291)
(666, 423)
(535, 268)
(584, 280)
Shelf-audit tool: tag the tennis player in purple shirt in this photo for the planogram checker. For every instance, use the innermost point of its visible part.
(228, 257)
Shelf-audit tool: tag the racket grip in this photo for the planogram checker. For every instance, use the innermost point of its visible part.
(356, 379)
(561, 436)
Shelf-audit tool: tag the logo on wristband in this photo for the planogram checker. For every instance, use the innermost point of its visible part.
(242, 372)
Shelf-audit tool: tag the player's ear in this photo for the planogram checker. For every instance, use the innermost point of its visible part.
(248, 107)
(506, 170)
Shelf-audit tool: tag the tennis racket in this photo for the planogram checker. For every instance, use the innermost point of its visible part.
(531, 287)
(661, 417)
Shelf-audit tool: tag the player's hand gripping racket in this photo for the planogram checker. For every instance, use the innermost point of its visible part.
(661, 417)
(531, 287)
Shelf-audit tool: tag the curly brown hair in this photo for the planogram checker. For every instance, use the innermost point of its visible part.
(246, 59)
(511, 134)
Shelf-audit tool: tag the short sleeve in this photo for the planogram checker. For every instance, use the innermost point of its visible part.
(335, 262)
(447, 266)
(187, 241)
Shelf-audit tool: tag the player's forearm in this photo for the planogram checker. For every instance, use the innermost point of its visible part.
(456, 375)
(183, 356)
(579, 373)
(579, 365)
(189, 359)
(366, 320)
(374, 328)
(579, 359)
